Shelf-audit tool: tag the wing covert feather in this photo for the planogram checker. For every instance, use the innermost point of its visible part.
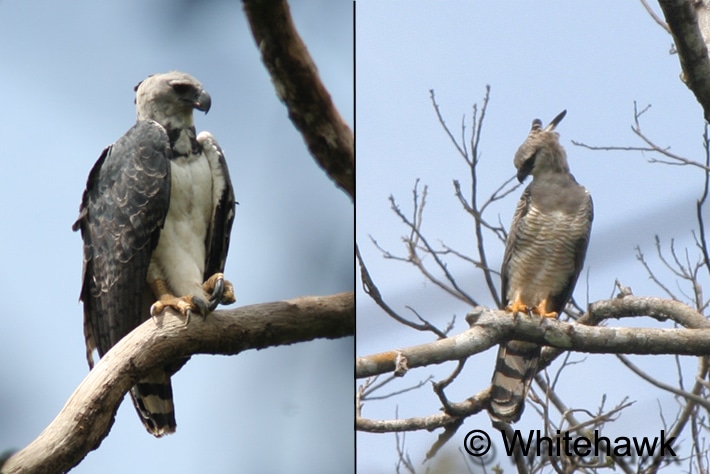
(223, 215)
(122, 211)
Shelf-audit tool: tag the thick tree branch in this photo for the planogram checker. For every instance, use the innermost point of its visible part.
(298, 85)
(660, 309)
(490, 324)
(493, 327)
(682, 20)
(88, 414)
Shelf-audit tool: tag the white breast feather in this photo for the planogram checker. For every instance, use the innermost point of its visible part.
(180, 255)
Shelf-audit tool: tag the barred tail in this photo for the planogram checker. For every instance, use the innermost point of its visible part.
(153, 399)
(515, 368)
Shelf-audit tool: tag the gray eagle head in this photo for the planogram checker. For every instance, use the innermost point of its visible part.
(170, 98)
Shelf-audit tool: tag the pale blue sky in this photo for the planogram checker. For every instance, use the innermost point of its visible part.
(593, 59)
(69, 71)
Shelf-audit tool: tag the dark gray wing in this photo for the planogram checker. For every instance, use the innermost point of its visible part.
(122, 212)
(223, 212)
(577, 235)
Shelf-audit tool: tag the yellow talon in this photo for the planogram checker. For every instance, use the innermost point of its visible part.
(541, 310)
(517, 307)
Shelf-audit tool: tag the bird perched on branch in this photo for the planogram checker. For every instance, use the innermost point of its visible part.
(544, 254)
(155, 219)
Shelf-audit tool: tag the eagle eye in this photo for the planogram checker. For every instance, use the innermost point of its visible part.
(181, 88)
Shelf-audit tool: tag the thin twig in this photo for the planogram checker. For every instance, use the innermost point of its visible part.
(652, 275)
(655, 17)
(462, 152)
(703, 198)
(686, 413)
(663, 386)
(403, 459)
(417, 236)
(373, 292)
(675, 160)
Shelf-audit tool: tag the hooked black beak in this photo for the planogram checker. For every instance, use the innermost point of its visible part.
(203, 102)
(525, 170)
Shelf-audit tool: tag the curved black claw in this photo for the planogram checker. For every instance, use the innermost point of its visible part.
(217, 293)
(202, 307)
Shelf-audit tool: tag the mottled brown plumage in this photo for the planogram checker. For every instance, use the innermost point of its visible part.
(544, 255)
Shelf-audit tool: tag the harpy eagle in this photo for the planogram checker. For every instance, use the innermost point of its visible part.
(155, 219)
(544, 254)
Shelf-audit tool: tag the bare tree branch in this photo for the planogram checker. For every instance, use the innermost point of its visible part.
(663, 386)
(88, 414)
(460, 148)
(471, 406)
(568, 415)
(652, 147)
(373, 292)
(494, 327)
(657, 308)
(417, 246)
(403, 461)
(471, 206)
(416, 240)
(628, 306)
(298, 85)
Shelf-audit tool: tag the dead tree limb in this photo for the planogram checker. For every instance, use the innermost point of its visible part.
(88, 415)
(489, 328)
(298, 85)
